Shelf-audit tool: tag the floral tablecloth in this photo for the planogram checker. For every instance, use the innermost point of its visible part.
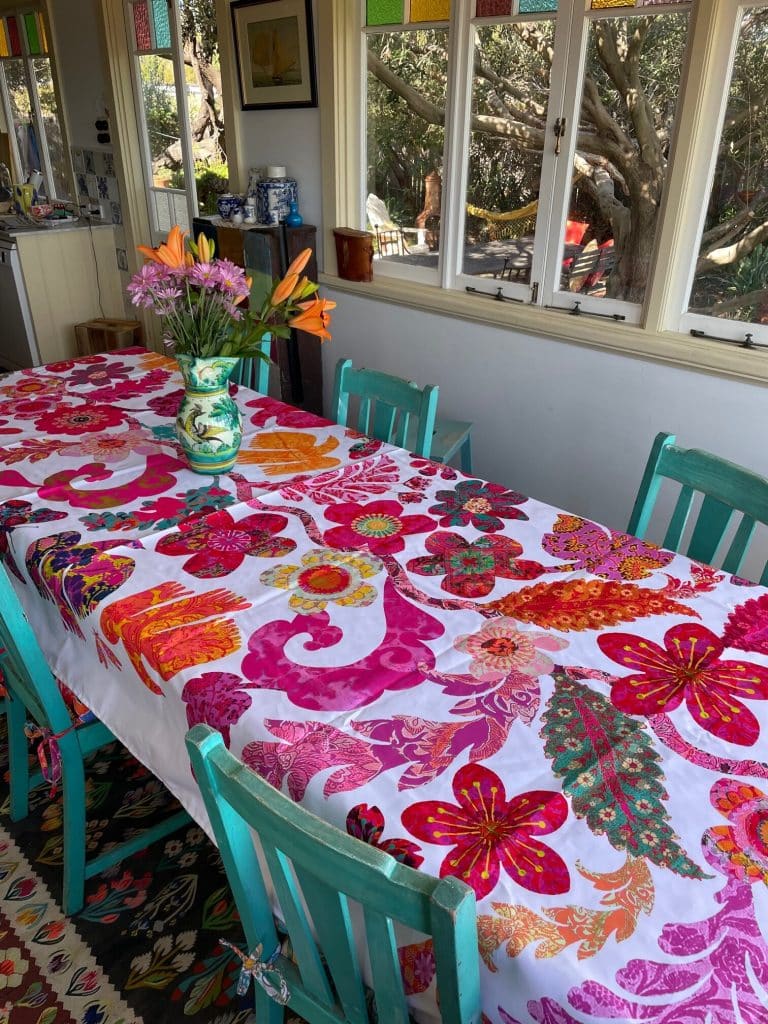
(571, 720)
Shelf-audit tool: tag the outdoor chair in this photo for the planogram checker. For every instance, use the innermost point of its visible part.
(315, 871)
(391, 237)
(398, 411)
(32, 692)
(728, 491)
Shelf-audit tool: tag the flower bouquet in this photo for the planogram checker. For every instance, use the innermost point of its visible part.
(200, 301)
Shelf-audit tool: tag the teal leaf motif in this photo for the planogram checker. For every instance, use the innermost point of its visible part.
(612, 774)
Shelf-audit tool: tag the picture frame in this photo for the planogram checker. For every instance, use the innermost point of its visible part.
(275, 51)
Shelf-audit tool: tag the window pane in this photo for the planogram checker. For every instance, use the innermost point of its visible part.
(406, 104)
(41, 68)
(156, 76)
(510, 92)
(631, 86)
(21, 115)
(732, 270)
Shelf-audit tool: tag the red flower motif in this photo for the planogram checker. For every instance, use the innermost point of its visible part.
(487, 832)
(367, 824)
(86, 417)
(219, 544)
(481, 505)
(470, 569)
(284, 415)
(378, 526)
(167, 404)
(688, 668)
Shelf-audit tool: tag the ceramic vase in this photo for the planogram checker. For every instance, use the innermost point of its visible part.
(208, 423)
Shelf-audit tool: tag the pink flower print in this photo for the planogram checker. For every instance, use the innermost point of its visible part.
(283, 415)
(739, 849)
(688, 668)
(166, 405)
(219, 544)
(487, 832)
(34, 387)
(216, 699)
(367, 824)
(378, 526)
(470, 569)
(31, 408)
(99, 374)
(325, 576)
(112, 447)
(500, 647)
(87, 417)
(428, 468)
(603, 552)
(482, 505)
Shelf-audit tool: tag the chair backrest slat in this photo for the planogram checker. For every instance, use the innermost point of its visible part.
(386, 405)
(385, 967)
(28, 676)
(728, 491)
(333, 925)
(330, 870)
(253, 372)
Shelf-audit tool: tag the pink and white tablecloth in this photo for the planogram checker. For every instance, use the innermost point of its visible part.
(571, 720)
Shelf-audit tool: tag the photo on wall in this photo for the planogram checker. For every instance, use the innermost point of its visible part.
(275, 53)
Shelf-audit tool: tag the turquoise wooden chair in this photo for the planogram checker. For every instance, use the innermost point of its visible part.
(728, 489)
(416, 429)
(315, 870)
(253, 372)
(33, 693)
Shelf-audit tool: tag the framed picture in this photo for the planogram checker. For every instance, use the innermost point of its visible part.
(275, 53)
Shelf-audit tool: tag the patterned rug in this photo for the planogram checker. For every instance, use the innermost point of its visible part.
(145, 948)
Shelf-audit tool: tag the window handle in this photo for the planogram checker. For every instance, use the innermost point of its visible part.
(559, 131)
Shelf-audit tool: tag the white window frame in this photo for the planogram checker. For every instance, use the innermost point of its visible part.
(659, 335)
(27, 59)
(154, 193)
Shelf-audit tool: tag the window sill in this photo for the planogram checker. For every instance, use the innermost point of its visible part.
(666, 347)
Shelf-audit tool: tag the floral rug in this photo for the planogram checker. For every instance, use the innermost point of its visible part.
(145, 948)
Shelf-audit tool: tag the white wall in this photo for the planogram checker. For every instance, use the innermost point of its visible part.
(564, 423)
(79, 54)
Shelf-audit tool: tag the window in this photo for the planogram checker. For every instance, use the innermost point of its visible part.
(729, 293)
(563, 119)
(30, 103)
(177, 85)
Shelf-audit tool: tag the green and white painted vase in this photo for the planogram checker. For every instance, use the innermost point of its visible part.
(208, 423)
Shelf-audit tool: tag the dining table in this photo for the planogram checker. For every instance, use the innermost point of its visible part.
(571, 720)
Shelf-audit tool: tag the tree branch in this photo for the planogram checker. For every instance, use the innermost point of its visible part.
(730, 254)
(754, 298)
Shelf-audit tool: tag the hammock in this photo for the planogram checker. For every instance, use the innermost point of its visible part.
(510, 224)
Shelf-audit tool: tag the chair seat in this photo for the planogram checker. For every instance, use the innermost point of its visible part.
(449, 437)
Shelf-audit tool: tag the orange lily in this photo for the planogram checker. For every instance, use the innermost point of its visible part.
(304, 288)
(284, 289)
(170, 252)
(314, 318)
(299, 263)
(242, 298)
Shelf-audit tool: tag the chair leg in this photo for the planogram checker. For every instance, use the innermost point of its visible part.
(73, 782)
(466, 456)
(18, 759)
(267, 1011)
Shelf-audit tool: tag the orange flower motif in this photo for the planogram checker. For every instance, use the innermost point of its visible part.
(171, 251)
(315, 317)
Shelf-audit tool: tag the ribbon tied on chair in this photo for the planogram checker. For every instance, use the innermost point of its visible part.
(263, 972)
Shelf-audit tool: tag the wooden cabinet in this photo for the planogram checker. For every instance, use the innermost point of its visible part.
(265, 251)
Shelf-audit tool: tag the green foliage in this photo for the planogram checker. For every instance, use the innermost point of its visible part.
(159, 103)
(212, 180)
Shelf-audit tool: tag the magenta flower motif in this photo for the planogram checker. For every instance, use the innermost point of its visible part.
(740, 848)
(487, 832)
(471, 570)
(87, 417)
(167, 404)
(482, 505)
(216, 699)
(367, 824)
(99, 374)
(378, 526)
(218, 544)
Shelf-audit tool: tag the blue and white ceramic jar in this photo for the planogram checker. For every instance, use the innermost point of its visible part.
(227, 204)
(274, 195)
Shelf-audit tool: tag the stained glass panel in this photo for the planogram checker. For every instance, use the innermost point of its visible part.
(493, 8)
(384, 12)
(13, 35)
(41, 33)
(162, 27)
(537, 6)
(601, 4)
(4, 49)
(33, 40)
(141, 26)
(430, 10)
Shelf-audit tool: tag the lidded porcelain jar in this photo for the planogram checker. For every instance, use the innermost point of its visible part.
(274, 195)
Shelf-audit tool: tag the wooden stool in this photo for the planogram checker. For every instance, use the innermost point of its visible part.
(103, 335)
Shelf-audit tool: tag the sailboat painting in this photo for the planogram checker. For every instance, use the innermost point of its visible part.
(275, 53)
